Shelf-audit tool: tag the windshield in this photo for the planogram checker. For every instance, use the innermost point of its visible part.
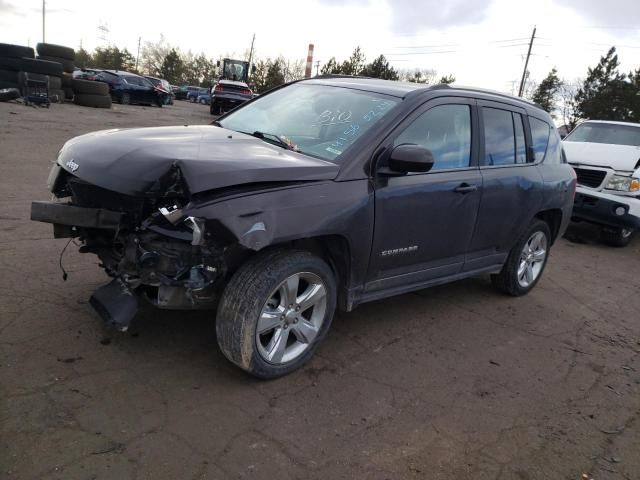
(318, 120)
(606, 133)
(234, 71)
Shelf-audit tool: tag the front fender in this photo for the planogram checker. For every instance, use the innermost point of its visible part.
(304, 211)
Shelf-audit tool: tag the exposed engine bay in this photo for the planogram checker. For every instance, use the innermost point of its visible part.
(146, 244)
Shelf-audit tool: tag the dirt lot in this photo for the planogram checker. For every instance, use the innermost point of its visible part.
(455, 382)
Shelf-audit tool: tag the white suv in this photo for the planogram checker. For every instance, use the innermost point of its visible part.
(606, 158)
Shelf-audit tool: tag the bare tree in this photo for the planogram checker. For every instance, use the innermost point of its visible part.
(566, 105)
(153, 55)
(418, 75)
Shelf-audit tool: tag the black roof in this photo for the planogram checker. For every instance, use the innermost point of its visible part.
(402, 89)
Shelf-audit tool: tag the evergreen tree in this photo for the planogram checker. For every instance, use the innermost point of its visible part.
(380, 68)
(607, 94)
(545, 94)
(447, 79)
(172, 68)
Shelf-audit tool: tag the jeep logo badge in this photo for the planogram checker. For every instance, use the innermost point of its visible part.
(73, 166)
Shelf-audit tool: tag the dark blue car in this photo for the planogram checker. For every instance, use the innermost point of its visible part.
(128, 88)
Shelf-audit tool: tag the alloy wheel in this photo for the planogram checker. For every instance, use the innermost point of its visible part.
(532, 259)
(291, 318)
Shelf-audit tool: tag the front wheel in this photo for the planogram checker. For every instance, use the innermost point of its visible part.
(526, 261)
(275, 311)
(617, 237)
(125, 99)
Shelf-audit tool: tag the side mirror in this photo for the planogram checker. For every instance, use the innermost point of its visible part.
(410, 158)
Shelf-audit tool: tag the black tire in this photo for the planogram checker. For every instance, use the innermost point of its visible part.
(12, 64)
(617, 237)
(38, 77)
(68, 93)
(67, 81)
(9, 94)
(55, 83)
(45, 67)
(244, 298)
(16, 51)
(4, 85)
(60, 51)
(125, 99)
(67, 65)
(88, 100)
(9, 76)
(90, 87)
(507, 280)
(216, 108)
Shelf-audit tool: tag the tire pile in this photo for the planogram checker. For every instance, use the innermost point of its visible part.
(17, 65)
(54, 65)
(65, 56)
(89, 93)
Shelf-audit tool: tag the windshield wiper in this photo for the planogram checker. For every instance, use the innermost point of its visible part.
(272, 136)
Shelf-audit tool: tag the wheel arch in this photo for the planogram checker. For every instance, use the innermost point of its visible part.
(553, 218)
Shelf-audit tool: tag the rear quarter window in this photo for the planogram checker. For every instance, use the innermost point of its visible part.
(540, 131)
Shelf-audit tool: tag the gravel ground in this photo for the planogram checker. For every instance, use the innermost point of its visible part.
(454, 382)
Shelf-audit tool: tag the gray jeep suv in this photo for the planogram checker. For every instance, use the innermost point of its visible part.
(322, 194)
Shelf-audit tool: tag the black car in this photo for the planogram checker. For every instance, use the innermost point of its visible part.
(164, 86)
(322, 194)
(129, 88)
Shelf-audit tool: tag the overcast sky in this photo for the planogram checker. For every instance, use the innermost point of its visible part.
(481, 42)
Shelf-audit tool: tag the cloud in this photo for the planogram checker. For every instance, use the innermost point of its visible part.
(7, 8)
(411, 16)
(621, 13)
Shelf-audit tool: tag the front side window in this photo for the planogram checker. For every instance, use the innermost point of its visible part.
(318, 120)
(540, 136)
(446, 131)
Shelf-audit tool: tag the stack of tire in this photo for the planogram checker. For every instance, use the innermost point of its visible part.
(11, 58)
(91, 93)
(59, 85)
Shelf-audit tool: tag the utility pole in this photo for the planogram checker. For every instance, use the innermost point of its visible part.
(317, 66)
(526, 63)
(43, 8)
(251, 51)
(138, 54)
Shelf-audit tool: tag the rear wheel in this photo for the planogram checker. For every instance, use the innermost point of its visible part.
(617, 237)
(216, 108)
(125, 99)
(526, 261)
(275, 311)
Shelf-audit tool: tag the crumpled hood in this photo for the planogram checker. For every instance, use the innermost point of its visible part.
(622, 158)
(132, 161)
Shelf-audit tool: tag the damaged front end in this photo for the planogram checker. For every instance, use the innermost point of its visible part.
(150, 248)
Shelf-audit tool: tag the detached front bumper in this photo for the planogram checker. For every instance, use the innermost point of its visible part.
(606, 209)
(65, 217)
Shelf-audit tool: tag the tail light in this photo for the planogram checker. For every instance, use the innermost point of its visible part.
(219, 88)
(247, 91)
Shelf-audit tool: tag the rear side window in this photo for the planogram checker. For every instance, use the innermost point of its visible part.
(500, 143)
(446, 131)
(540, 137)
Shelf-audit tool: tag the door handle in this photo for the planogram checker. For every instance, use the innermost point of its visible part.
(465, 188)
